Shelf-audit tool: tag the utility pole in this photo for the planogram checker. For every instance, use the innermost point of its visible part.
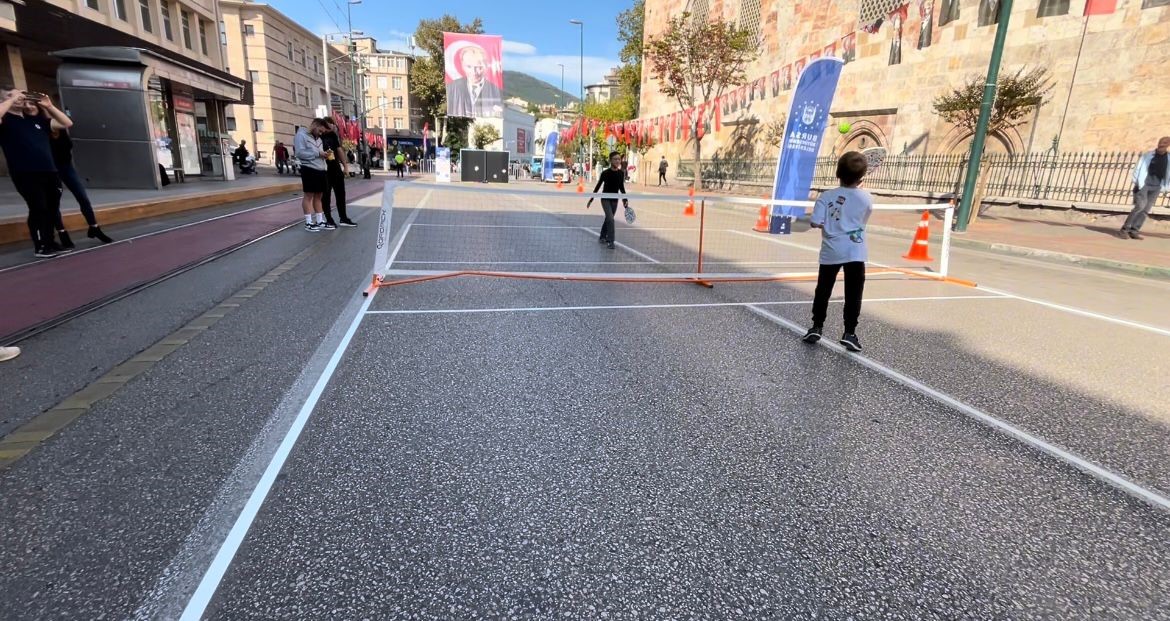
(980, 138)
(360, 92)
(581, 24)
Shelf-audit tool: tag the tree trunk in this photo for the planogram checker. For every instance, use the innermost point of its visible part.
(698, 185)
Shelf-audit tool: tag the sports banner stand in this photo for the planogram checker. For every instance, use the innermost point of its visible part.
(382, 250)
(803, 132)
(442, 164)
(550, 154)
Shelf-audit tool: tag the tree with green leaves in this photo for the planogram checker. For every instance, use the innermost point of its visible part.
(426, 74)
(630, 32)
(1016, 98)
(484, 135)
(695, 62)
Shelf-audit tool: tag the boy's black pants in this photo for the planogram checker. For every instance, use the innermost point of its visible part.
(854, 286)
(336, 187)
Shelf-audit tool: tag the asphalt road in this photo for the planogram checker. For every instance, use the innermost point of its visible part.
(679, 456)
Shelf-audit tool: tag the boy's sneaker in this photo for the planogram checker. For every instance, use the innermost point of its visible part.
(312, 228)
(347, 222)
(44, 252)
(329, 226)
(813, 335)
(850, 342)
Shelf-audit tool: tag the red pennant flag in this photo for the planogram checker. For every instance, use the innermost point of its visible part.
(699, 129)
(718, 124)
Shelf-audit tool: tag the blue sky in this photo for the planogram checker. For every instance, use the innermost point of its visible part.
(537, 35)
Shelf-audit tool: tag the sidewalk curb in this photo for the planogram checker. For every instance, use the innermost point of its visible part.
(1050, 256)
(15, 229)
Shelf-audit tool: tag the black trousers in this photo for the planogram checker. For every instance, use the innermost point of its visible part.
(661, 177)
(41, 191)
(336, 186)
(854, 287)
(609, 205)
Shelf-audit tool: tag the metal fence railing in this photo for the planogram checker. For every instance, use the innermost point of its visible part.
(1103, 178)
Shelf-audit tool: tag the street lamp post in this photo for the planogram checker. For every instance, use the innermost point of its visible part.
(581, 25)
(561, 94)
(360, 98)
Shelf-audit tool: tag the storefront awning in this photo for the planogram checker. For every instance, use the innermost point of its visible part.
(205, 84)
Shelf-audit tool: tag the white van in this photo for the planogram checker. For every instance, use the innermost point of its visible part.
(560, 171)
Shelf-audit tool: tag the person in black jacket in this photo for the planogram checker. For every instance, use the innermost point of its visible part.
(62, 145)
(611, 181)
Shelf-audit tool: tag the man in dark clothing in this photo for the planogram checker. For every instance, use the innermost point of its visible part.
(1150, 178)
(241, 153)
(611, 181)
(25, 123)
(280, 153)
(662, 170)
(336, 170)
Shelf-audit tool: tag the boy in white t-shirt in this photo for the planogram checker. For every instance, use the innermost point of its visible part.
(841, 214)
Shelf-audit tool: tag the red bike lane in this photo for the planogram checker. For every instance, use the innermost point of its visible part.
(41, 292)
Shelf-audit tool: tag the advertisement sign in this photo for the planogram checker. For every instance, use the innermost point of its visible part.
(474, 75)
(521, 141)
(807, 118)
(550, 155)
(443, 164)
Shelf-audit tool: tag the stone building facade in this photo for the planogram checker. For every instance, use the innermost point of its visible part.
(1108, 61)
(386, 84)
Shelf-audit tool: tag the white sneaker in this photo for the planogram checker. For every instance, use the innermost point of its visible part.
(8, 353)
(312, 228)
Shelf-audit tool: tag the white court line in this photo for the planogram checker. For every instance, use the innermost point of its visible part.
(591, 231)
(1153, 497)
(1060, 307)
(1083, 313)
(459, 311)
(208, 585)
(467, 262)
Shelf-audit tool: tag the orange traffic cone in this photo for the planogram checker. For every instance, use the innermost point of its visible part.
(920, 247)
(690, 210)
(560, 184)
(580, 185)
(762, 222)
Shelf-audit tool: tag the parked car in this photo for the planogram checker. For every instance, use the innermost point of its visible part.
(537, 166)
(560, 172)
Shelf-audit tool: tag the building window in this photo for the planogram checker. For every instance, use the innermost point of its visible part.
(396, 103)
(382, 82)
(1149, 4)
(120, 9)
(203, 37)
(258, 125)
(306, 90)
(397, 123)
(988, 12)
(304, 59)
(397, 84)
(231, 123)
(249, 30)
(222, 33)
(185, 17)
(699, 10)
(290, 50)
(749, 17)
(365, 82)
(166, 19)
(93, 4)
(144, 10)
(254, 77)
(1048, 8)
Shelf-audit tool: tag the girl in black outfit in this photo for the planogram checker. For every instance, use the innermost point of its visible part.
(612, 181)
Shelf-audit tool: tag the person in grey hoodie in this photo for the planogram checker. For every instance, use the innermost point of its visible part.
(1151, 177)
(307, 148)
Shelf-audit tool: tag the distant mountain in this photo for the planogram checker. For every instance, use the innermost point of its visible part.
(530, 89)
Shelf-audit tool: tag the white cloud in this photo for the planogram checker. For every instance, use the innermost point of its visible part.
(516, 47)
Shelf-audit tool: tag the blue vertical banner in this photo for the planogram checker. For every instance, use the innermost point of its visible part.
(550, 154)
(807, 118)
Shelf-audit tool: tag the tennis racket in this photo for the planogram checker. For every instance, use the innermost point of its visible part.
(874, 157)
(630, 215)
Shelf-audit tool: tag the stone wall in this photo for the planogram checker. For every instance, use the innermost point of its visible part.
(1109, 72)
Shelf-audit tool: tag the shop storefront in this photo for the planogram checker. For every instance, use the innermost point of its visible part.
(171, 117)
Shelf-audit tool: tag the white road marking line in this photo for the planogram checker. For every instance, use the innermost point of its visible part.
(456, 311)
(547, 226)
(210, 582)
(470, 262)
(1153, 497)
(1078, 311)
(591, 231)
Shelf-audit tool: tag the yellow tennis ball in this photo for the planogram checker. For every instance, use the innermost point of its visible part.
(844, 127)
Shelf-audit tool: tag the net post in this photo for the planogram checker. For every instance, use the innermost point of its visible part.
(382, 249)
(948, 220)
(702, 230)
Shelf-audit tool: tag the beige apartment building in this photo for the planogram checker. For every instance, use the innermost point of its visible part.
(386, 83)
(285, 64)
(144, 81)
